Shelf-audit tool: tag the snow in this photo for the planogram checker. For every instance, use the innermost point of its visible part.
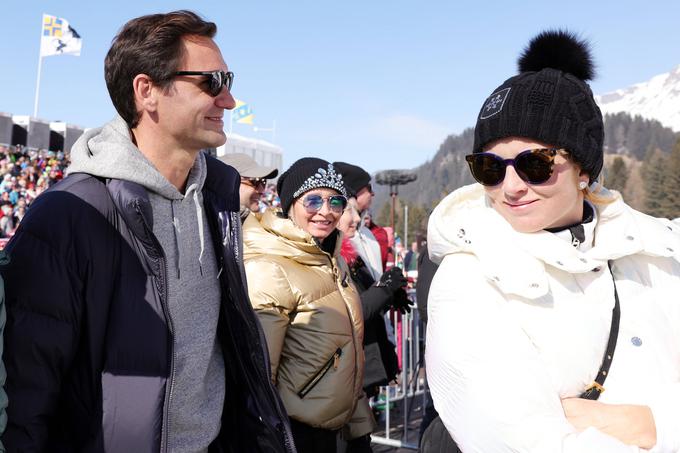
(658, 99)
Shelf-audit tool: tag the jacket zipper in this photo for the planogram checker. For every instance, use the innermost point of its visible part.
(332, 362)
(349, 315)
(168, 393)
(166, 312)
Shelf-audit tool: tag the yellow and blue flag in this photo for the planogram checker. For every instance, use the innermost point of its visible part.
(58, 37)
(242, 113)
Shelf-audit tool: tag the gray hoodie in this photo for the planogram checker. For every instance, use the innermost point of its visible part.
(195, 390)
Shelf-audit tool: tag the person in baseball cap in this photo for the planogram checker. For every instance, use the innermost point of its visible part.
(253, 180)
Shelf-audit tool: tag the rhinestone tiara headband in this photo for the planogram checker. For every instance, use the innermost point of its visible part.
(323, 178)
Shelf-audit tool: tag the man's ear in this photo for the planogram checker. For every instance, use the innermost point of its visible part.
(145, 93)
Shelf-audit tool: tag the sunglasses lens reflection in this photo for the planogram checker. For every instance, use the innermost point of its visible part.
(487, 169)
(314, 203)
(337, 203)
(218, 80)
(534, 168)
(215, 85)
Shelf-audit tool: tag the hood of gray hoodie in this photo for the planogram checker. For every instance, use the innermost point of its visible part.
(109, 152)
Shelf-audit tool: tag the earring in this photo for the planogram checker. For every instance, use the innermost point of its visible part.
(582, 185)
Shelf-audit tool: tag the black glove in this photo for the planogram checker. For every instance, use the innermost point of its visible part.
(393, 280)
(401, 302)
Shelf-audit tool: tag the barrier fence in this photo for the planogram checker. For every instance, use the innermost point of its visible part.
(410, 383)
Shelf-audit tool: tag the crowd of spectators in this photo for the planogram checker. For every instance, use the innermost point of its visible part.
(269, 198)
(25, 174)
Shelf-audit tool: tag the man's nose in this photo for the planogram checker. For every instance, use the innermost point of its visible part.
(225, 99)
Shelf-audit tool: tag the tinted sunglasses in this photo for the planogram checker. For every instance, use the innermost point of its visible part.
(215, 80)
(313, 203)
(258, 183)
(533, 166)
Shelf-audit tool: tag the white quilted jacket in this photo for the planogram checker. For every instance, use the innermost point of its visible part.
(518, 321)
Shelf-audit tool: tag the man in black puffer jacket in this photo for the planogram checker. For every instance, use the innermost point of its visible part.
(128, 322)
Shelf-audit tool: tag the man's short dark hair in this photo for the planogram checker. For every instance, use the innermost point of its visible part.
(150, 45)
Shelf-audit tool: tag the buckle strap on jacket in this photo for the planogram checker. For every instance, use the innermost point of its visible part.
(595, 389)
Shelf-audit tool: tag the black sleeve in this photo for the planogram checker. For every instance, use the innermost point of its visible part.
(373, 298)
(373, 301)
(40, 335)
(426, 271)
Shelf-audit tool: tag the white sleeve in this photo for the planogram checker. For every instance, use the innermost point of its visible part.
(664, 400)
(665, 405)
(487, 381)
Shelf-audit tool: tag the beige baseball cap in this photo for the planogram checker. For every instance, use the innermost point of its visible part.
(247, 166)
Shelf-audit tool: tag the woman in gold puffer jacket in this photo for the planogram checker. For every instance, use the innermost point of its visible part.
(311, 313)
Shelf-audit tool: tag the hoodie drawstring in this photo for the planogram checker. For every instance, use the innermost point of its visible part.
(201, 236)
(176, 231)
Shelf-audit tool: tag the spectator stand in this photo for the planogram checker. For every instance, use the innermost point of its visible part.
(25, 173)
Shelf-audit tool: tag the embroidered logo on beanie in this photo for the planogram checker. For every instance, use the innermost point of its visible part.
(494, 104)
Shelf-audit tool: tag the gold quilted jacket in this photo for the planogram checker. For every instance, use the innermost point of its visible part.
(311, 315)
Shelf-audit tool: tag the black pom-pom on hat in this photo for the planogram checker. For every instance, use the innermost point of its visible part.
(549, 101)
(561, 50)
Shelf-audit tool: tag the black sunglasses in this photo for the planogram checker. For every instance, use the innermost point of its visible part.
(215, 80)
(313, 203)
(258, 183)
(534, 166)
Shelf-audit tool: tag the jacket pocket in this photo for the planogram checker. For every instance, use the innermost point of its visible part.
(332, 362)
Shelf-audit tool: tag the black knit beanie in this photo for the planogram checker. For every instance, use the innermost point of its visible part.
(355, 177)
(304, 175)
(548, 101)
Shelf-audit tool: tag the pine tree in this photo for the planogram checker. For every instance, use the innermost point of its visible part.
(417, 221)
(617, 175)
(653, 175)
(384, 216)
(670, 204)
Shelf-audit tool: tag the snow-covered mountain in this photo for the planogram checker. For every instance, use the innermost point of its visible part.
(658, 99)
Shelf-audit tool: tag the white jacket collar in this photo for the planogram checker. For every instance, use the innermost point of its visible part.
(516, 262)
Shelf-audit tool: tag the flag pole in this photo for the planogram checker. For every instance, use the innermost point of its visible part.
(37, 89)
(37, 84)
(267, 129)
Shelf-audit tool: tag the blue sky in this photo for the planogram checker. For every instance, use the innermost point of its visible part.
(376, 83)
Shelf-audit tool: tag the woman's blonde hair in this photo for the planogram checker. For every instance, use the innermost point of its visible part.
(596, 194)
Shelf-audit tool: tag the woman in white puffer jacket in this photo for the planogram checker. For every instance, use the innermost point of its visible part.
(541, 269)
